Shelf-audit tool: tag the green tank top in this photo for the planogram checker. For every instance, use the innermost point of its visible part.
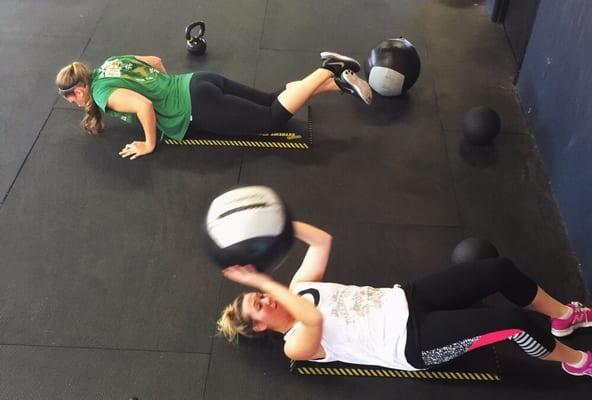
(169, 93)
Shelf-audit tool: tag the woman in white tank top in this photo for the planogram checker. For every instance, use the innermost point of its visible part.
(426, 323)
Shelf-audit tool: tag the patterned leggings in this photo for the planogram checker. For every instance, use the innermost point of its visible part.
(442, 327)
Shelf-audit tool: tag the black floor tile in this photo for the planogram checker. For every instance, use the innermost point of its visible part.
(384, 163)
(38, 20)
(454, 100)
(504, 195)
(30, 373)
(28, 92)
(466, 42)
(103, 251)
(344, 26)
(472, 65)
(160, 30)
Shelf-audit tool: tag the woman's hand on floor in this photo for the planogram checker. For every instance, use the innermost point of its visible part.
(136, 149)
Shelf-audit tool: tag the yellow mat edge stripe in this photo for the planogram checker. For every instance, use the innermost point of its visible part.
(445, 375)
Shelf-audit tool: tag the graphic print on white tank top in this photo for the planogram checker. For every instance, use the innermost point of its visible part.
(361, 324)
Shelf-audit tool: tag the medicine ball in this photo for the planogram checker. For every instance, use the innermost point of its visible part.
(392, 67)
(481, 125)
(473, 249)
(248, 225)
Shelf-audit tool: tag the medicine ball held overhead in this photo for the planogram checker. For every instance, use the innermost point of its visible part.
(392, 67)
(248, 225)
(473, 249)
(481, 125)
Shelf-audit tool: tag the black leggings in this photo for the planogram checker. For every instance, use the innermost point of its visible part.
(225, 107)
(441, 327)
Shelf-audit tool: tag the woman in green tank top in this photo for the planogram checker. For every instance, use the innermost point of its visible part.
(139, 89)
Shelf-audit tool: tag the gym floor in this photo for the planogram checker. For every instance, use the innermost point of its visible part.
(104, 290)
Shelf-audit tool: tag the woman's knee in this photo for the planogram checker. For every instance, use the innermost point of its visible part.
(504, 266)
(279, 115)
(519, 288)
(499, 269)
(508, 264)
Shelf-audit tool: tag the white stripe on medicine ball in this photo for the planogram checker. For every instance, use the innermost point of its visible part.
(245, 213)
(386, 81)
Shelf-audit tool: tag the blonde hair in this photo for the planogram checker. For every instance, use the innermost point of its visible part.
(232, 324)
(72, 75)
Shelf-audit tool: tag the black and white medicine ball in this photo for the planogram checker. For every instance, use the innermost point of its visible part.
(248, 225)
(392, 67)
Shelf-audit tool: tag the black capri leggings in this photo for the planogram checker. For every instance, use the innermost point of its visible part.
(225, 107)
(441, 327)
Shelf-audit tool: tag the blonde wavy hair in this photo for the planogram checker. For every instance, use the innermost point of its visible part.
(232, 324)
(75, 74)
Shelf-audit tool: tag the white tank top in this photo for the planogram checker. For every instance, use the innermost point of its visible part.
(361, 325)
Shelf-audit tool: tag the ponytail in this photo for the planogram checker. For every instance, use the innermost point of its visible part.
(78, 74)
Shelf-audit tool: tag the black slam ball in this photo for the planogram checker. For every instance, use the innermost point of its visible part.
(481, 125)
(473, 249)
(248, 225)
(392, 67)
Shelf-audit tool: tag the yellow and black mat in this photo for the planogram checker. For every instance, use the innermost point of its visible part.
(341, 369)
(483, 368)
(297, 135)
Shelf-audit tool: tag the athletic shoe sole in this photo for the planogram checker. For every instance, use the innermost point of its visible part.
(325, 55)
(574, 372)
(358, 87)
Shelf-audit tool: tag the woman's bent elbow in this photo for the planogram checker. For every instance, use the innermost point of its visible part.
(315, 319)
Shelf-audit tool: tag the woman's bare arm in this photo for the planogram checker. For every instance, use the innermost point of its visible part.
(154, 62)
(315, 261)
(128, 101)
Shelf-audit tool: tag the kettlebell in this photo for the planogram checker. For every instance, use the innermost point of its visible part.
(196, 45)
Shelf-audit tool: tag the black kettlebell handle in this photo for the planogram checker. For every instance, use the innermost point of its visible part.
(202, 30)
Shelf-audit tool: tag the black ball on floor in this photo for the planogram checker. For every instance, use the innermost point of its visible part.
(473, 249)
(481, 125)
(392, 67)
(248, 225)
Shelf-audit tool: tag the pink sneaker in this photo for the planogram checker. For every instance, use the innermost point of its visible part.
(585, 370)
(580, 317)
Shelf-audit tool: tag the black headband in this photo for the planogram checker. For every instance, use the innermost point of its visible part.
(68, 90)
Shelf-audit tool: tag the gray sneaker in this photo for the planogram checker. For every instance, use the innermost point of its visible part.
(350, 83)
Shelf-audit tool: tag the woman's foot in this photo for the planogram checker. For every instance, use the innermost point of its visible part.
(580, 317)
(337, 63)
(584, 367)
(350, 83)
